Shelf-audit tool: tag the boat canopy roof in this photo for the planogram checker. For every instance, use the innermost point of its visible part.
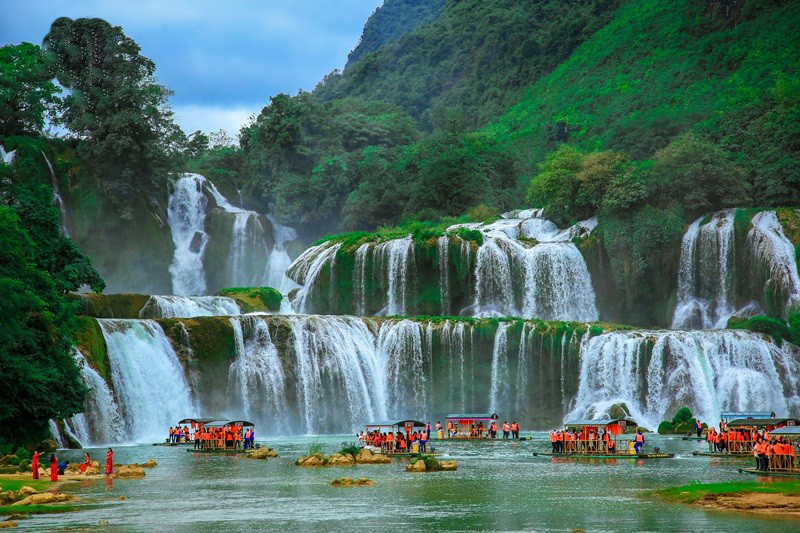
(392, 423)
(763, 422)
(241, 423)
(473, 416)
(600, 423)
(218, 423)
(786, 430)
(736, 415)
(199, 420)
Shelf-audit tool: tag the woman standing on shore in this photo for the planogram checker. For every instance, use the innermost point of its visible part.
(109, 462)
(35, 464)
(53, 467)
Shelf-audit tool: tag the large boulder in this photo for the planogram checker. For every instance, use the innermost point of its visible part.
(350, 482)
(341, 459)
(27, 491)
(150, 463)
(7, 524)
(416, 466)
(448, 465)
(311, 460)
(261, 453)
(368, 457)
(130, 471)
(42, 498)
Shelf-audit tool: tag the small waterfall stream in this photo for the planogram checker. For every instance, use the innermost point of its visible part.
(186, 212)
(775, 256)
(168, 306)
(149, 382)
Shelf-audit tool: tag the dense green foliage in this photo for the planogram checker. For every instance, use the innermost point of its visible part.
(27, 92)
(391, 20)
(477, 56)
(116, 106)
(38, 264)
(269, 297)
(662, 68)
(775, 327)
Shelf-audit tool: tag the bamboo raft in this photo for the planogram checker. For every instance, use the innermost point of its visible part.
(693, 438)
(723, 455)
(220, 451)
(776, 473)
(607, 455)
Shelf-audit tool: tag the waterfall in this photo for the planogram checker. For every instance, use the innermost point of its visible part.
(775, 255)
(558, 286)
(395, 258)
(279, 260)
(499, 394)
(256, 381)
(493, 285)
(167, 306)
(150, 387)
(186, 213)
(340, 377)
(54, 431)
(360, 280)
(307, 270)
(443, 248)
(100, 422)
(57, 198)
(400, 348)
(706, 273)
(654, 373)
(7, 157)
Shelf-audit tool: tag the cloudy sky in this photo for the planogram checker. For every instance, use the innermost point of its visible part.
(223, 58)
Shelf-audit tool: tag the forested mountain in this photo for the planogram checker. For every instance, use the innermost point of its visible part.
(392, 20)
(476, 56)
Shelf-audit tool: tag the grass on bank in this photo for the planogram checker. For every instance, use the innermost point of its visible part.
(36, 509)
(694, 492)
(15, 484)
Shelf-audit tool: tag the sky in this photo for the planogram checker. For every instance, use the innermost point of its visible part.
(223, 58)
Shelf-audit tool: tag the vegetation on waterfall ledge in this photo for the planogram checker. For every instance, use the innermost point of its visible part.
(254, 298)
(696, 491)
(776, 327)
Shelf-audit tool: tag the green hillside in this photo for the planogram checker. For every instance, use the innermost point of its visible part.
(392, 20)
(476, 56)
(661, 68)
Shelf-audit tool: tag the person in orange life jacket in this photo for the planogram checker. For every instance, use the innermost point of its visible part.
(506, 430)
(698, 426)
(515, 430)
(639, 441)
(423, 439)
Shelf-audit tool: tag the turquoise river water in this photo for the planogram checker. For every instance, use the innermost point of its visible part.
(499, 486)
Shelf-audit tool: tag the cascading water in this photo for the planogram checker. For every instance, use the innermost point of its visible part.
(150, 387)
(256, 380)
(7, 157)
(706, 273)
(279, 259)
(395, 258)
(167, 306)
(654, 373)
(443, 249)
(57, 198)
(339, 374)
(501, 375)
(100, 422)
(774, 255)
(186, 212)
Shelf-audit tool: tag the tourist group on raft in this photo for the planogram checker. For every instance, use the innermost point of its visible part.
(399, 442)
(590, 440)
(59, 468)
(479, 431)
(770, 453)
(228, 437)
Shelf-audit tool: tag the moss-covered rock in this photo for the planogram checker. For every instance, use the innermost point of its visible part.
(254, 299)
(88, 337)
(109, 305)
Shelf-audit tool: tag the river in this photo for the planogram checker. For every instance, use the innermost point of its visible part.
(499, 486)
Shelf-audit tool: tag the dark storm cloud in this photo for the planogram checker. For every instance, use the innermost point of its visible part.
(222, 59)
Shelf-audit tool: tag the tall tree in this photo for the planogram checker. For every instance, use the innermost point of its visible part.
(115, 105)
(27, 92)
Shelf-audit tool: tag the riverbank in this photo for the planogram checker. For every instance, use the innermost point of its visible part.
(744, 496)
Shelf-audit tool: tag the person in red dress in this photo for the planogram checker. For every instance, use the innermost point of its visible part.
(53, 467)
(109, 462)
(35, 464)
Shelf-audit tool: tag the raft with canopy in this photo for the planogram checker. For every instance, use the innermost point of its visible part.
(588, 442)
(193, 424)
(742, 433)
(406, 426)
(470, 426)
(223, 436)
(782, 464)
